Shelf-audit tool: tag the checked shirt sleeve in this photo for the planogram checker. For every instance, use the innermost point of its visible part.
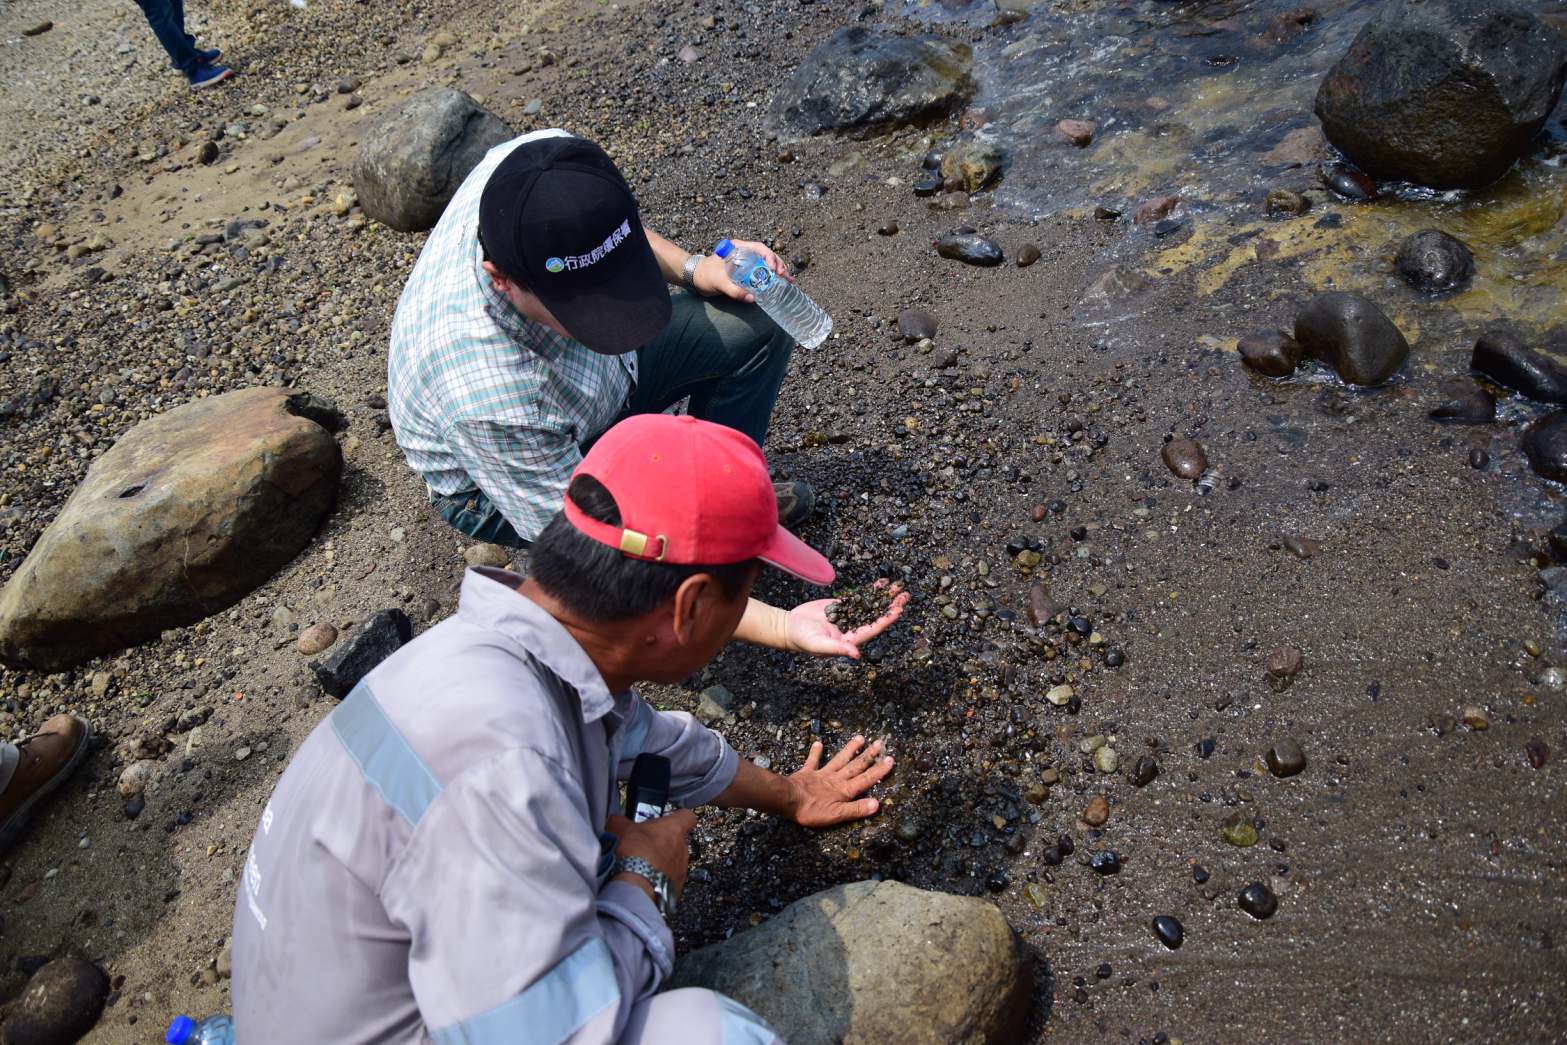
(523, 470)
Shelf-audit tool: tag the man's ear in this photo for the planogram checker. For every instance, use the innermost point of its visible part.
(497, 277)
(695, 599)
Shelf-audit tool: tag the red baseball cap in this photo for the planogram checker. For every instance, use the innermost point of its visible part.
(693, 493)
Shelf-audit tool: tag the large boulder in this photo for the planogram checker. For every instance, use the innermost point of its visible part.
(184, 515)
(1446, 93)
(862, 81)
(875, 962)
(414, 158)
(60, 1005)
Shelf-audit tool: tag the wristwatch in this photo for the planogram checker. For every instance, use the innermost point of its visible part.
(688, 270)
(658, 879)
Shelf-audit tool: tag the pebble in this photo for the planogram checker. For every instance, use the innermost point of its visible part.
(1478, 459)
(316, 638)
(928, 186)
(61, 1003)
(381, 635)
(1041, 606)
(1105, 862)
(493, 555)
(1097, 811)
(916, 323)
(1185, 457)
(1155, 209)
(1079, 132)
(1239, 831)
(1435, 263)
(1475, 718)
(1466, 403)
(688, 54)
(1168, 931)
(1352, 335)
(970, 249)
(715, 705)
(1258, 901)
(1106, 760)
(1442, 723)
(1285, 662)
(1271, 353)
(909, 829)
(1348, 183)
(1545, 445)
(889, 228)
(1301, 547)
(1537, 752)
(242, 753)
(1036, 895)
(1553, 678)
(1027, 254)
(135, 778)
(1199, 873)
(1144, 771)
(1059, 695)
(38, 28)
(1501, 355)
(1285, 203)
(1285, 758)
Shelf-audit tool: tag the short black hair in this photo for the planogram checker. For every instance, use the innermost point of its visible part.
(484, 252)
(597, 582)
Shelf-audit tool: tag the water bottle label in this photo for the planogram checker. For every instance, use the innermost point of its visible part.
(759, 278)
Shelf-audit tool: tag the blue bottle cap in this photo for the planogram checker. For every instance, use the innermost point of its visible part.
(724, 247)
(180, 1030)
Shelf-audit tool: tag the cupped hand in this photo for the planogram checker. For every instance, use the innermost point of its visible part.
(711, 278)
(830, 794)
(811, 632)
(663, 842)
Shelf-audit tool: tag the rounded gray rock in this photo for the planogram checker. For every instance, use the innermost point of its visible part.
(1353, 336)
(1545, 444)
(1445, 93)
(1434, 263)
(861, 81)
(413, 159)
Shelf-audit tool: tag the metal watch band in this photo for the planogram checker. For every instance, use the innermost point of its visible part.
(655, 877)
(688, 270)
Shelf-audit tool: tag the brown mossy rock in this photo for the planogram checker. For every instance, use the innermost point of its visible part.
(875, 962)
(182, 517)
(60, 1005)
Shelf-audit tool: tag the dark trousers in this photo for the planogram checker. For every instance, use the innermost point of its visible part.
(167, 19)
(728, 357)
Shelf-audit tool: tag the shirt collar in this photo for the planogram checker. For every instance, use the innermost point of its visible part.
(533, 336)
(489, 600)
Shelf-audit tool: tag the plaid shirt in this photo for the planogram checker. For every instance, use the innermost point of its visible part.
(482, 398)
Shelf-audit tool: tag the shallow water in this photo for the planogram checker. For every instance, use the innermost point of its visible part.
(1212, 103)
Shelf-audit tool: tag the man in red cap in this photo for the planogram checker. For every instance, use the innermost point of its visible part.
(446, 857)
(539, 313)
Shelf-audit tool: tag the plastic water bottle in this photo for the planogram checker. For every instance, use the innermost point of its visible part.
(214, 1030)
(799, 316)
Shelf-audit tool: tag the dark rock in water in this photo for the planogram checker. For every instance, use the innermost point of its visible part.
(1348, 183)
(1446, 93)
(1466, 403)
(413, 159)
(861, 81)
(1545, 444)
(60, 1005)
(970, 249)
(1285, 759)
(928, 186)
(1271, 353)
(1258, 901)
(1185, 458)
(374, 640)
(1285, 203)
(1353, 336)
(1027, 254)
(1168, 931)
(1105, 862)
(1433, 262)
(916, 323)
(1478, 459)
(1502, 356)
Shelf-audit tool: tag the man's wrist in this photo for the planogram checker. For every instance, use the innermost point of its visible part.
(688, 270)
(640, 882)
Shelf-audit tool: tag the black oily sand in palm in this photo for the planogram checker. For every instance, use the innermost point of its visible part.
(858, 607)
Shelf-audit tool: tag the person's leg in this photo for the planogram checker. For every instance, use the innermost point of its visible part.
(179, 18)
(729, 357)
(170, 32)
(693, 1016)
(473, 514)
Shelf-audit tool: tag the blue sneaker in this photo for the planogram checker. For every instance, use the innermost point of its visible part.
(207, 75)
(209, 57)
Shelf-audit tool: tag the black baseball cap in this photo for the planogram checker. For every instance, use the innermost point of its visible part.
(557, 216)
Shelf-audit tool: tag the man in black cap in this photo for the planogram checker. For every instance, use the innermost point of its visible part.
(539, 314)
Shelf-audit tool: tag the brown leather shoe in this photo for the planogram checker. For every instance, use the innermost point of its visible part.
(45, 759)
(796, 502)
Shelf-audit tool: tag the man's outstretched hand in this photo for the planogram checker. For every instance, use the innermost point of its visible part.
(809, 630)
(822, 796)
(711, 278)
